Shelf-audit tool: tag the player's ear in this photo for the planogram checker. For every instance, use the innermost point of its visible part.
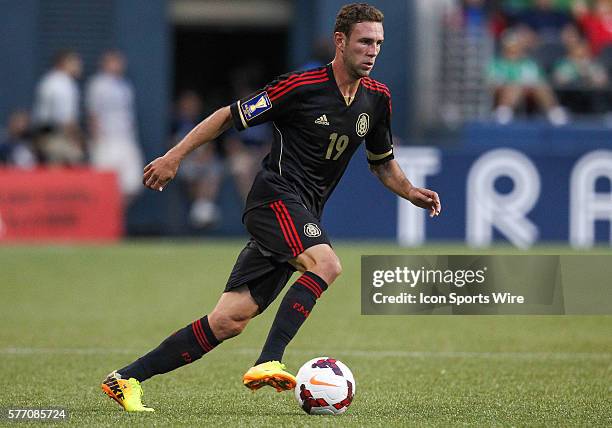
(340, 40)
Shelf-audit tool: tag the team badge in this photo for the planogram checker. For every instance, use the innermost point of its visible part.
(312, 230)
(363, 124)
(255, 106)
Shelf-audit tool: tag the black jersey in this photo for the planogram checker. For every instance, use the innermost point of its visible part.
(315, 134)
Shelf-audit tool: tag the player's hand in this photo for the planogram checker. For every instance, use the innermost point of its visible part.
(427, 199)
(159, 172)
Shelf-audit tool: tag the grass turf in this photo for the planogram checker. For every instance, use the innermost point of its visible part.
(72, 314)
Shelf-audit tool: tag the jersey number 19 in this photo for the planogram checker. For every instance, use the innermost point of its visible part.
(338, 143)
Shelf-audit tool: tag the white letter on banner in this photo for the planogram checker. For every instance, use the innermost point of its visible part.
(586, 205)
(417, 163)
(486, 208)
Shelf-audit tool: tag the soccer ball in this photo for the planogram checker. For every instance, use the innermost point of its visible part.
(325, 386)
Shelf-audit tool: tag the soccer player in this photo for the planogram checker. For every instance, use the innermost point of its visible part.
(320, 118)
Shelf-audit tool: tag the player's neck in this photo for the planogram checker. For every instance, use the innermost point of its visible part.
(347, 84)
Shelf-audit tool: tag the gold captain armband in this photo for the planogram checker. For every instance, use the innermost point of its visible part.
(375, 157)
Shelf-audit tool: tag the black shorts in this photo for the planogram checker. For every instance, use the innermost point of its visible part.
(280, 231)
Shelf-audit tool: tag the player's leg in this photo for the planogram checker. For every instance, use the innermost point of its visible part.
(231, 314)
(229, 317)
(319, 266)
(289, 232)
(321, 260)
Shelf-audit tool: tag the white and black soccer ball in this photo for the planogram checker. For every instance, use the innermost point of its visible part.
(325, 386)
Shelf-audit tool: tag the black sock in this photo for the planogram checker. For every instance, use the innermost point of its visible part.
(292, 312)
(183, 347)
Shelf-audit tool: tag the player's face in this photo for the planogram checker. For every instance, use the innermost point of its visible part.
(362, 48)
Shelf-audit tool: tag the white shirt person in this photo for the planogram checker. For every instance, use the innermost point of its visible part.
(109, 102)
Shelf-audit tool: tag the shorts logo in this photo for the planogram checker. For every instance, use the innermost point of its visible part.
(312, 230)
(363, 124)
(255, 106)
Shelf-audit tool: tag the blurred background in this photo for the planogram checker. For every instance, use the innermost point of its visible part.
(503, 107)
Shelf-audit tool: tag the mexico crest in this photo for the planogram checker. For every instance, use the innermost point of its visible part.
(312, 230)
(363, 124)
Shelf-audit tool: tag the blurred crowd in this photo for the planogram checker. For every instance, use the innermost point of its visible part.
(551, 56)
(64, 128)
(202, 172)
(233, 159)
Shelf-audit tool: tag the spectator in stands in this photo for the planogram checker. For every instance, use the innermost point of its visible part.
(515, 78)
(570, 37)
(111, 114)
(596, 23)
(56, 111)
(201, 171)
(580, 70)
(477, 18)
(581, 80)
(15, 146)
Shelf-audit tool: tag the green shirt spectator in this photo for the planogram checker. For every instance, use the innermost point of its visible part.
(519, 71)
(580, 69)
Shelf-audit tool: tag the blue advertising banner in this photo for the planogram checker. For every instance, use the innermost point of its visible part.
(488, 194)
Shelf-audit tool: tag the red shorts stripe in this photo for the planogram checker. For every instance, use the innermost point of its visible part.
(300, 246)
(284, 228)
(292, 87)
(313, 283)
(280, 85)
(290, 231)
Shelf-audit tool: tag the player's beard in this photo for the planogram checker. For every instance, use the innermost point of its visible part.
(354, 68)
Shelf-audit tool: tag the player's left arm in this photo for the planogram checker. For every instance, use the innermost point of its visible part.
(394, 179)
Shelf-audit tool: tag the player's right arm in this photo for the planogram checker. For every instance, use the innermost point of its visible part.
(268, 104)
(163, 169)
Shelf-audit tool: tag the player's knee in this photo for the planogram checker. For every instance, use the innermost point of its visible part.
(320, 260)
(336, 267)
(330, 267)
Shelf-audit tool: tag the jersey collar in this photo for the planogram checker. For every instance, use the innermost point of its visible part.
(332, 80)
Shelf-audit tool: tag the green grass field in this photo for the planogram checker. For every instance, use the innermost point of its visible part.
(69, 315)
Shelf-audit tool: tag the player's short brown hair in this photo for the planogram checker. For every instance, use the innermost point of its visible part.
(351, 14)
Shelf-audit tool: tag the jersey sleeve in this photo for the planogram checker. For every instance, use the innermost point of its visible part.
(265, 105)
(277, 100)
(379, 142)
